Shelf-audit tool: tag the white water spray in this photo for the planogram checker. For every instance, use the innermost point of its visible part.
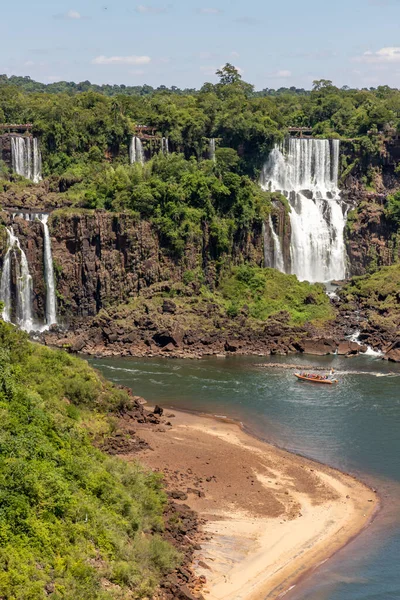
(165, 145)
(136, 152)
(211, 150)
(278, 255)
(26, 158)
(306, 172)
(51, 304)
(24, 290)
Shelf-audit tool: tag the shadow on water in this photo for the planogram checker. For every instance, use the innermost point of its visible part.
(353, 426)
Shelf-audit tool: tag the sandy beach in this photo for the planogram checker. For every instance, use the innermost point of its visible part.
(270, 516)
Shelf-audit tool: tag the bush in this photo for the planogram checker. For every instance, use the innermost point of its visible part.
(70, 516)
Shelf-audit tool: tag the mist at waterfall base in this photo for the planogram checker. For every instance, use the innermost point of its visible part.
(353, 426)
(306, 172)
(24, 289)
(26, 158)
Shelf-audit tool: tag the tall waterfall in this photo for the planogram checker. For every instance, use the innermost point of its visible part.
(306, 172)
(211, 149)
(26, 158)
(136, 153)
(24, 291)
(51, 305)
(278, 255)
(165, 145)
(16, 262)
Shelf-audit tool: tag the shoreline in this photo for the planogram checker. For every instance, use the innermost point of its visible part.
(282, 513)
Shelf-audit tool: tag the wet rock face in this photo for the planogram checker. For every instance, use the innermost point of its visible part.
(370, 237)
(104, 259)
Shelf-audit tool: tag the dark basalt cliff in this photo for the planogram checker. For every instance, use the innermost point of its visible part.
(371, 238)
(104, 259)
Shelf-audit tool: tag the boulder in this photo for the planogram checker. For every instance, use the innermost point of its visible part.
(231, 346)
(319, 347)
(347, 347)
(393, 354)
(165, 337)
(169, 307)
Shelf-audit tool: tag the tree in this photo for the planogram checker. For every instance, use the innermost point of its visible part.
(228, 74)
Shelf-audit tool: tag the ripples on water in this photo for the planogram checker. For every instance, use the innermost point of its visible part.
(354, 426)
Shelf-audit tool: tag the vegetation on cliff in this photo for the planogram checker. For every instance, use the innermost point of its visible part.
(85, 132)
(266, 292)
(378, 296)
(74, 523)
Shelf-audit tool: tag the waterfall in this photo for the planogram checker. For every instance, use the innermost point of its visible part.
(5, 283)
(15, 258)
(278, 255)
(24, 291)
(165, 145)
(26, 158)
(136, 152)
(306, 172)
(267, 259)
(51, 305)
(211, 149)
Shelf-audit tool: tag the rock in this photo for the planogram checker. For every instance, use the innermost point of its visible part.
(196, 492)
(319, 347)
(393, 354)
(78, 344)
(158, 410)
(347, 347)
(165, 338)
(169, 307)
(231, 346)
(178, 495)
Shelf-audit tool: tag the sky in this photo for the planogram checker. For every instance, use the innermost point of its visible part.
(274, 43)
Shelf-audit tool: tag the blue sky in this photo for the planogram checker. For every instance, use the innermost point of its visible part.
(175, 42)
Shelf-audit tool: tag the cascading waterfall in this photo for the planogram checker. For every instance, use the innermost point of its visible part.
(267, 258)
(165, 145)
(136, 152)
(51, 304)
(211, 149)
(16, 257)
(278, 255)
(306, 172)
(26, 158)
(24, 290)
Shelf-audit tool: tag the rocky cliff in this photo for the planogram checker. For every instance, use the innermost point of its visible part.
(104, 259)
(372, 240)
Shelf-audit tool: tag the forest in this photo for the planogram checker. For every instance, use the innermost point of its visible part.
(85, 132)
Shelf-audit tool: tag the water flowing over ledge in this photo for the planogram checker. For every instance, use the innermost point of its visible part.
(16, 286)
(136, 152)
(26, 157)
(306, 172)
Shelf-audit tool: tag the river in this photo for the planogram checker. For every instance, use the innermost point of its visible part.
(354, 426)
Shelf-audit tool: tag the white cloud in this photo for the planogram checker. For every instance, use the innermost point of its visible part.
(210, 11)
(384, 55)
(235, 54)
(146, 9)
(73, 14)
(121, 60)
(283, 74)
(29, 63)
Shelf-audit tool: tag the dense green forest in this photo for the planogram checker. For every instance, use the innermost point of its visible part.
(85, 132)
(71, 517)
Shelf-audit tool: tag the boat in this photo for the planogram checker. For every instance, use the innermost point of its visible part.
(315, 379)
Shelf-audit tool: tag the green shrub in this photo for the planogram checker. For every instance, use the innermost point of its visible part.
(70, 516)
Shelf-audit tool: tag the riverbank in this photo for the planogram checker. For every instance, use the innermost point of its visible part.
(270, 516)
